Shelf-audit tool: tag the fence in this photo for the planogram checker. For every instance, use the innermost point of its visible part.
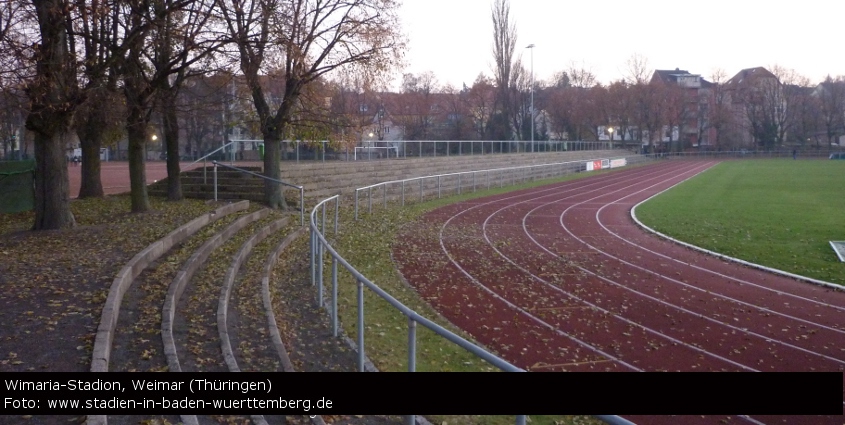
(296, 150)
(17, 190)
(422, 188)
(754, 154)
(319, 246)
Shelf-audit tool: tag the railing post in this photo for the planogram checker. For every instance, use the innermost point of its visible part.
(403, 193)
(320, 269)
(370, 200)
(459, 183)
(356, 204)
(438, 187)
(323, 227)
(421, 189)
(301, 206)
(520, 420)
(412, 345)
(334, 296)
(336, 212)
(215, 182)
(360, 326)
(384, 192)
(313, 254)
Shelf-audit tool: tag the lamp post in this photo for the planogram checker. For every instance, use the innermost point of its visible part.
(610, 132)
(531, 46)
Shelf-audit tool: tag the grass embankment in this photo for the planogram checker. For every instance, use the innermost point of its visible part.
(777, 213)
(367, 244)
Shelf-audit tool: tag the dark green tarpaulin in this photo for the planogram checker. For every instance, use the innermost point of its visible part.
(17, 190)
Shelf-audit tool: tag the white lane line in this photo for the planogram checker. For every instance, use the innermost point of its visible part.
(743, 330)
(595, 306)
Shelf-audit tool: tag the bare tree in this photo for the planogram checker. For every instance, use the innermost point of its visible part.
(456, 113)
(831, 95)
(719, 115)
(622, 108)
(182, 39)
(416, 106)
(678, 107)
(149, 58)
(480, 101)
(304, 40)
(637, 69)
(98, 119)
(504, 43)
(580, 75)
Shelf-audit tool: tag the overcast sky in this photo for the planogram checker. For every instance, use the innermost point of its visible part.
(453, 38)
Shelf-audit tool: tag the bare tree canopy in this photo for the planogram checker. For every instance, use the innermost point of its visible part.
(300, 41)
(504, 43)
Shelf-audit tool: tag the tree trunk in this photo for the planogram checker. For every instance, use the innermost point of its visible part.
(273, 196)
(53, 99)
(136, 129)
(91, 140)
(171, 138)
(52, 189)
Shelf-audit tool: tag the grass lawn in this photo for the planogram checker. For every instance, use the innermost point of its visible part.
(779, 213)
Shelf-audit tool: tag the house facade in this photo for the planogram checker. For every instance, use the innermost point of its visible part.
(688, 99)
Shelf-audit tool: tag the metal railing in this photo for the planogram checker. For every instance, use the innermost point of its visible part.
(457, 183)
(751, 154)
(420, 148)
(301, 189)
(322, 150)
(319, 246)
(204, 160)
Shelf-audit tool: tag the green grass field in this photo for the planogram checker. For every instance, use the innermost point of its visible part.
(779, 213)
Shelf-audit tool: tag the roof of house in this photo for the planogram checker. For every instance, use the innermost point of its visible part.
(749, 74)
(672, 75)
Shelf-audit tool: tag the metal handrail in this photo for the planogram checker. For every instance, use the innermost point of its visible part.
(568, 164)
(205, 163)
(301, 189)
(319, 245)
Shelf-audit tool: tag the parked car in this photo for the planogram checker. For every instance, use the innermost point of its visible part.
(837, 155)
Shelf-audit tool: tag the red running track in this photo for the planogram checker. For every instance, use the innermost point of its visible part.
(560, 278)
(115, 176)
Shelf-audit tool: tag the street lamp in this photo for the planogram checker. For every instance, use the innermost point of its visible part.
(610, 131)
(531, 46)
